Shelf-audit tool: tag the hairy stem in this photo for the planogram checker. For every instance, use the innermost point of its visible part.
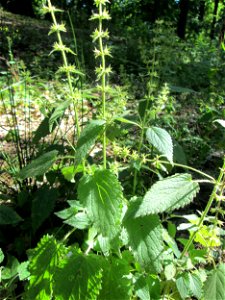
(103, 83)
(65, 62)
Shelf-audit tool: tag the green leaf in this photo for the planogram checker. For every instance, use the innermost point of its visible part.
(42, 266)
(8, 216)
(10, 270)
(189, 285)
(168, 194)
(80, 221)
(42, 205)
(23, 270)
(39, 166)
(115, 281)
(102, 196)
(83, 277)
(70, 171)
(142, 106)
(42, 130)
(66, 213)
(145, 237)
(161, 140)
(58, 113)
(123, 120)
(1, 256)
(87, 138)
(179, 155)
(214, 287)
(147, 287)
(171, 243)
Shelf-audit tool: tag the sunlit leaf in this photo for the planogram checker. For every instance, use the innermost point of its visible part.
(101, 194)
(168, 194)
(161, 140)
(144, 237)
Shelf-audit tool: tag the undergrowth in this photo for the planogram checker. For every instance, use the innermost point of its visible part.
(96, 204)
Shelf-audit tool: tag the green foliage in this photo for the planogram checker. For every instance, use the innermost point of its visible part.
(42, 130)
(168, 194)
(147, 287)
(189, 285)
(43, 262)
(42, 205)
(214, 287)
(8, 216)
(125, 242)
(58, 113)
(115, 281)
(101, 194)
(161, 140)
(1, 256)
(144, 237)
(39, 166)
(83, 274)
(75, 216)
(10, 270)
(87, 138)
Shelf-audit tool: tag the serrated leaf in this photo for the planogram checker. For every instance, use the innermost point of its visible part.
(87, 138)
(168, 194)
(22, 270)
(42, 266)
(115, 283)
(102, 196)
(39, 166)
(58, 113)
(161, 140)
(189, 285)
(1, 256)
(42, 205)
(8, 216)
(145, 237)
(214, 287)
(83, 278)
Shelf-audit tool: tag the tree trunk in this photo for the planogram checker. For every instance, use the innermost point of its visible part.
(182, 21)
(212, 33)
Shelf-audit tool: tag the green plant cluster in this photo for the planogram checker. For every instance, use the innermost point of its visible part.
(97, 195)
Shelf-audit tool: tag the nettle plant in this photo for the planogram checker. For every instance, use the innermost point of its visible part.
(130, 247)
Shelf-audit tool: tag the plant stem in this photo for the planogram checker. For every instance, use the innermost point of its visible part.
(65, 62)
(189, 168)
(208, 206)
(144, 121)
(103, 86)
